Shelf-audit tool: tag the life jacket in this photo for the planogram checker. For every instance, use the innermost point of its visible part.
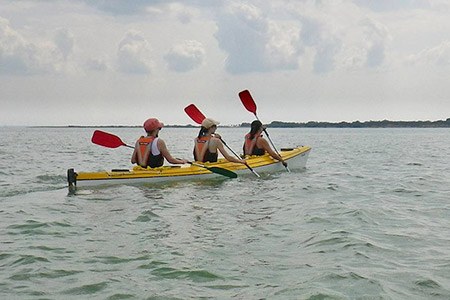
(144, 153)
(250, 147)
(201, 150)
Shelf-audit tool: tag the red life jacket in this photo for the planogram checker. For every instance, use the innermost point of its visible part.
(145, 157)
(250, 147)
(201, 150)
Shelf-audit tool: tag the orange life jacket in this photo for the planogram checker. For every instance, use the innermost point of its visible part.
(145, 157)
(250, 147)
(201, 150)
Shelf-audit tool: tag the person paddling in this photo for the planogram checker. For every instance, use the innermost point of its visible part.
(150, 151)
(255, 144)
(208, 143)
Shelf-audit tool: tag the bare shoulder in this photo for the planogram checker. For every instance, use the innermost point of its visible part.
(161, 142)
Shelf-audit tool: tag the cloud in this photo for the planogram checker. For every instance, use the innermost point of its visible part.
(322, 41)
(311, 31)
(183, 13)
(96, 64)
(21, 57)
(136, 7)
(186, 56)
(255, 43)
(364, 45)
(389, 5)
(133, 55)
(438, 56)
(376, 37)
(324, 60)
(121, 7)
(64, 41)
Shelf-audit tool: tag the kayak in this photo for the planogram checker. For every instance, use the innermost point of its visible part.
(295, 157)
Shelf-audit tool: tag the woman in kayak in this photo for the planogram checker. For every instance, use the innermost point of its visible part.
(150, 150)
(208, 143)
(255, 144)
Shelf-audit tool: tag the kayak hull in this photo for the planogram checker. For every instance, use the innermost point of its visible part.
(295, 157)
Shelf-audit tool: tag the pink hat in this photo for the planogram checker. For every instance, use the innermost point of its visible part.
(152, 124)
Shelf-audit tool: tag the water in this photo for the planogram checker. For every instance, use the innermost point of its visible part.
(368, 219)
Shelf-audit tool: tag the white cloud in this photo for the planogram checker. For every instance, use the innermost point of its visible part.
(186, 56)
(134, 54)
(19, 56)
(96, 64)
(376, 37)
(317, 35)
(120, 7)
(437, 56)
(363, 44)
(393, 5)
(183, 13)
(64, 40)
(311, 31)
(324, 60)
(255, 43)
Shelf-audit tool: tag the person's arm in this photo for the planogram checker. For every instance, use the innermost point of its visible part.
(225, 154)
(165, 153)
(265, 145)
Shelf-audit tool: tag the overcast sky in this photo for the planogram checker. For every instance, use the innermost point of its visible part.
(87, 62)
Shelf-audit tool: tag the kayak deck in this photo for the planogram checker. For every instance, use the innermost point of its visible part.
(295, 157)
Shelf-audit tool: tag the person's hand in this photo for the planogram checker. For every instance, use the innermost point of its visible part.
(217, 136)
(184, 161)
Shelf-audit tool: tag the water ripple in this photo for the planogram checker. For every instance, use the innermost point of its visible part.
(367, 219)
(87, 289)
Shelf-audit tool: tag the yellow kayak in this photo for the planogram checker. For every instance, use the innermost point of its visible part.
(295, 157)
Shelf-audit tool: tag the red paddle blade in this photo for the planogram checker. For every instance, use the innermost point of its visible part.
(195, 114)
(106, 139)
(247, 100)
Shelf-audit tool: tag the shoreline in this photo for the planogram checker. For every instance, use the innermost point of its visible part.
(282, 124)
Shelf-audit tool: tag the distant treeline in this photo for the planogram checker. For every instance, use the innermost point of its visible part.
(311, 124)
(358, 124)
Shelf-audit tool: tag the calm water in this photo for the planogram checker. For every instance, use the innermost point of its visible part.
(369, 218)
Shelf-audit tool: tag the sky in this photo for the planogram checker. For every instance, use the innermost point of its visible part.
(119, 62)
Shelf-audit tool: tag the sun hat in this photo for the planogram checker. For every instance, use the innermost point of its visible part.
(208, 123)
(152, 124)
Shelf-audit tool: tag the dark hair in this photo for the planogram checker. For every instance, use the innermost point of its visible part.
(254, 127)
(151, 132)
(202, 132)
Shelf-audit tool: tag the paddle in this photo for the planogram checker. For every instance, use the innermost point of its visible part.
(250, 105)
(108, 140)
(197, 116)
(112, 141)
(216, 170)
